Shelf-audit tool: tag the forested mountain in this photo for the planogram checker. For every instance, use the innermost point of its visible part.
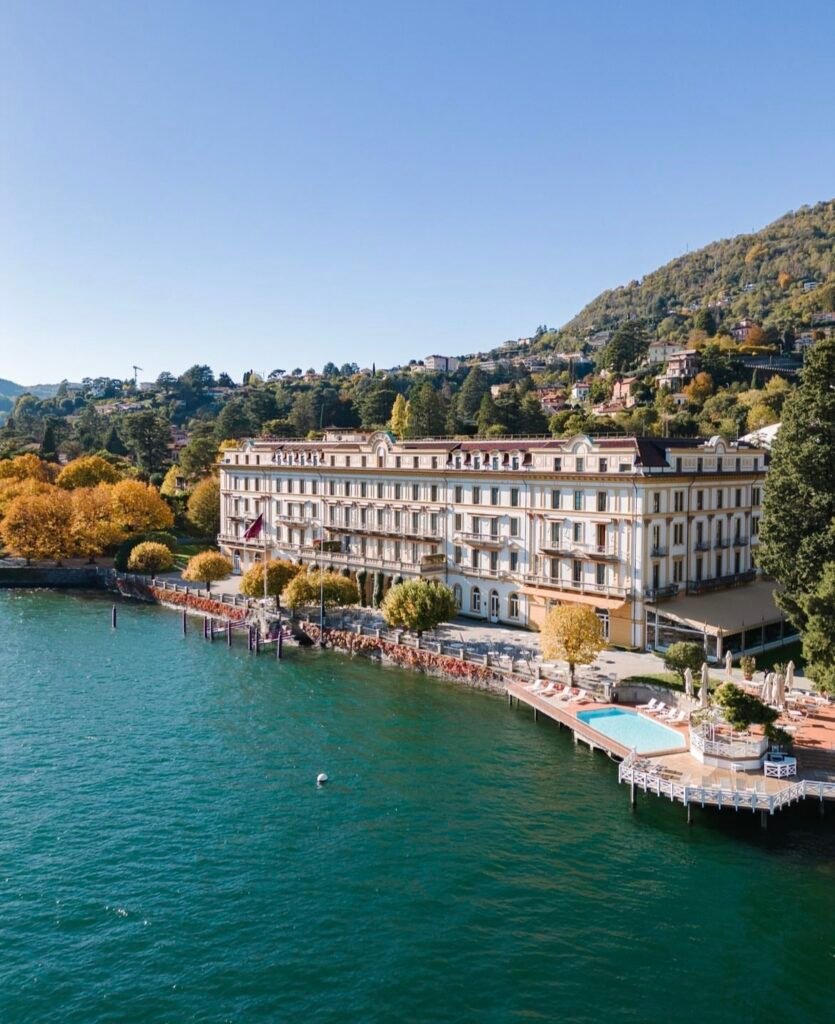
(778, 276)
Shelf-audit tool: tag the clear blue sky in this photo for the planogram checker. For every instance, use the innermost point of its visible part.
(273, 184)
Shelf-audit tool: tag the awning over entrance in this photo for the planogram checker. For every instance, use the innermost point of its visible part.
(725, 611)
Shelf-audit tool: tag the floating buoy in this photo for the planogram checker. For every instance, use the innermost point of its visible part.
(321, 779)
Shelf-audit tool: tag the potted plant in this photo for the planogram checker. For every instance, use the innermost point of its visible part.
(747, 664)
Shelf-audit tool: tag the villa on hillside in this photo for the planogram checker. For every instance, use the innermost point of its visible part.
(658, 536)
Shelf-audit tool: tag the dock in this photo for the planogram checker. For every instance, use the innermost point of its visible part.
(678, 776)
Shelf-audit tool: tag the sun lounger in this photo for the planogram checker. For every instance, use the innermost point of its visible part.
(659, 709)
(648, 707)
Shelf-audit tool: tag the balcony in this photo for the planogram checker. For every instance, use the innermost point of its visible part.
(740, 542)
(384, 530)
(721, 542)
(658, 551)
(661, 593)
(720, 582)
(702, 545)
(480, 540)
(572, 586)
(430, 565)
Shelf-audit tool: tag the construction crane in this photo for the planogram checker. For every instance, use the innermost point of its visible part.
(136, 370)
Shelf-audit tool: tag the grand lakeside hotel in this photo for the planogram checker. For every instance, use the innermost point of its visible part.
(657, 536)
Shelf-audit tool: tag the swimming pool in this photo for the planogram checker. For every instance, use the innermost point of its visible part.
(633, 730)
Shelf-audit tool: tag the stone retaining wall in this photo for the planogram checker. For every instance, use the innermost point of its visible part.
(51, 577)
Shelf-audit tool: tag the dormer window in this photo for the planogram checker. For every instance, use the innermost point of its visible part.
(476, 462)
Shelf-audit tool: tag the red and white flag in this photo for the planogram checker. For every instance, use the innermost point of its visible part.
(254, 529)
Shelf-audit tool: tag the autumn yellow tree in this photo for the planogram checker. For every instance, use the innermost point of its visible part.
(11, 488)
(572, 633)
(27, 467)
(138, 507)
(400, 416)
(207, 567)
(93, 523)
(279, 573)
(150, 557)
(40, 526)
(88, 471)
(203, 507)
(699, 388)
(306, 588)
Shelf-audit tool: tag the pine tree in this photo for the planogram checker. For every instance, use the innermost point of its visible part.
(797, 538)
(49, 446)
(113, 443)
(472, 391)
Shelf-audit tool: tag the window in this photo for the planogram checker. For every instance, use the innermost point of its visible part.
(379, 517)
(397, 491)
(603, 465)
(514, 497)
(397, 461)
(719, 564)
(494, 462)
(459, 494)
(555, 535)
(577, 571)
(755, 526)
(331, 487)
(558, 464)
(719, 465)
(333, 460)
(257, 484)
(678, 464)
(433, 492)
(600, 575)
(578, 533)
(720, 498)
(379, 490)
(314, 486)
(578, 501)
(475, 559)
(513, 606)
(555, 499)
(737, 563)
(700, 500)
(397, 519)
(456, 593)
(494, 561)
(415, 492)
(700, 465)
(514, 561)
(415, 462)
(699, 569)
(458, 520)
(678, 533)
(738, 497)
(494, 495)
(363, 462)
(580, 464)
(494, 527)
(363, 517)
(363, 489)
(678, 501)
(514, 462)
(755, 495)
(656, 502)
(601, 501)
(346, 487)
(433, 523)
(476, 462)
(678, 570)
(514, 527)
(475, 599)
(415, 522)
(457, 552)
(434, 461)
(476, 495)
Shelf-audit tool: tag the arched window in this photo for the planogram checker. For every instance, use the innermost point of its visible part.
(456, 593)
(475, 599)
(513, 606)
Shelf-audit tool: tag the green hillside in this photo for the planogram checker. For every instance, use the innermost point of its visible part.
(763, 276)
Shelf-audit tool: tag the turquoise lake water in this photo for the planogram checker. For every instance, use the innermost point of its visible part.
(166, 856)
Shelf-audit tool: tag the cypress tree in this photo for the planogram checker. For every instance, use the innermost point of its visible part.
(797, 535)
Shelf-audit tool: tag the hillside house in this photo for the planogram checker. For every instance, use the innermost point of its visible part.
(742, 330)
(622, 392)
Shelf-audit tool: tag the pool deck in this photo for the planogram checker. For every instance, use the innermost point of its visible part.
(678, 776)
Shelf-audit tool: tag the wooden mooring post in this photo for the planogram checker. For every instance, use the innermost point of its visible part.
(113, 617)
(211, 630)
(228, 632)
(278, 641)
(185, 622)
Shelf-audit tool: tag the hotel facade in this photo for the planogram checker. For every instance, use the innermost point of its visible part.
(657, 536)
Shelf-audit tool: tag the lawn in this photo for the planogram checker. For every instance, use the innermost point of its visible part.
(671, 681)
(185, 551)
